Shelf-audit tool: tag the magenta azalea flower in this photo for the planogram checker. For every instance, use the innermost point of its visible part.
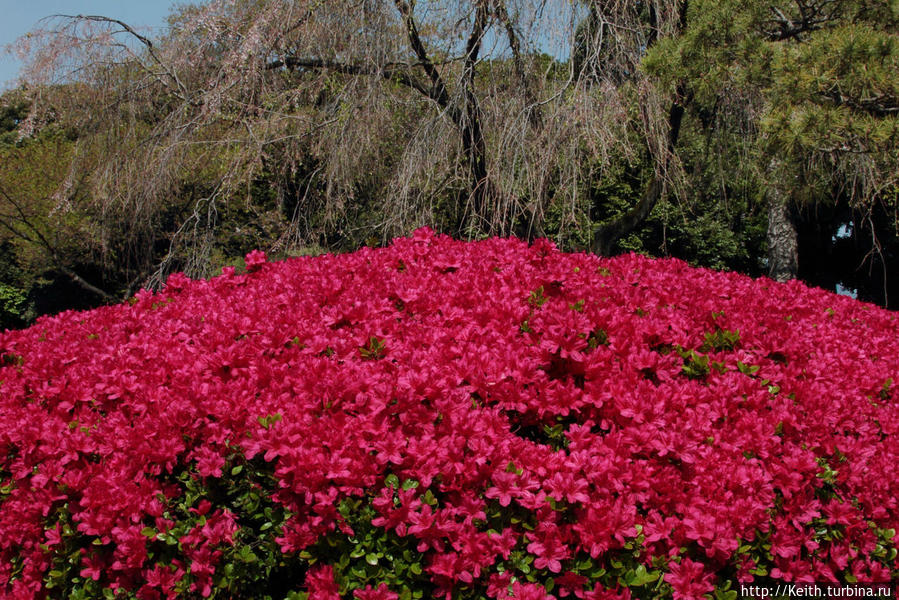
(490, 419)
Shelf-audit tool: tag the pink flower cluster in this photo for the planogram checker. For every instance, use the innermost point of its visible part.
(602, 398)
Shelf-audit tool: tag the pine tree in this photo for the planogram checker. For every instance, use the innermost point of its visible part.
(815, 85)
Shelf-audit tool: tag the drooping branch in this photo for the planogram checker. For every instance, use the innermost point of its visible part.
(145, 41)
(530, 100)
(39, 239)
(514, 44)
(393, 72)
(127, 28)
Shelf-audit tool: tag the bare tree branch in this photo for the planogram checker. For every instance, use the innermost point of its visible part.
(393, 72)
(878, 106)
(439, 91)
(809, 17)
(532, 106)
(148, 44)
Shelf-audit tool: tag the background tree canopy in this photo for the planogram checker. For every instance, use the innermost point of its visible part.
(738, 134)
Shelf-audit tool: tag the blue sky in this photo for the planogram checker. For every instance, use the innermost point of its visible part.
(17, 17)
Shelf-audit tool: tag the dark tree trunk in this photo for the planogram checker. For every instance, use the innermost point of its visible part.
(475, 150)
(783, 246)
(609, 233)
(468, 118)
(473, 143)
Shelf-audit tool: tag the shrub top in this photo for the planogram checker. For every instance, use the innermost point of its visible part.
(440, 417)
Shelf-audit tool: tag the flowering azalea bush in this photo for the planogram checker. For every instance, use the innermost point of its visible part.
(449, 419)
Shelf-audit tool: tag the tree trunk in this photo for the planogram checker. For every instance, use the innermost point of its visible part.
(473, 143)
(783, 246)
(609, 233)
(475, 150)
(468, 118)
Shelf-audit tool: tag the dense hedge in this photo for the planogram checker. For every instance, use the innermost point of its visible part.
(449, 419)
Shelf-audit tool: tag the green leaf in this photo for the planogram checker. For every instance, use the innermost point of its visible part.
(720, 339)
(641, 576)
(269, 420)
(247, 555)
(373, 350)
(596, 338)
(726, 595)
(537, 299)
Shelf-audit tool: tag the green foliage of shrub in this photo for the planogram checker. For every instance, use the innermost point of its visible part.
(13, 307)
